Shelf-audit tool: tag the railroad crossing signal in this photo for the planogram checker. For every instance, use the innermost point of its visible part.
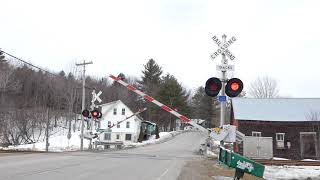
(223, 47)
(95, 97)
(233, 87)
(94, 113)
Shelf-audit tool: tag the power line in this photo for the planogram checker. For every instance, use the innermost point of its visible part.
(28, 63)
(37, 67)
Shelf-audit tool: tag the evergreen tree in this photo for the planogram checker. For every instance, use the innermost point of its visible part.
(150, 82)
(174, 95)
(151, 76)
(203, 107)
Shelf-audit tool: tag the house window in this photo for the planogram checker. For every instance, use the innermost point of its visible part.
(118, 136)
(280, 140)
(123, 112)
(128, 125)
(128, 137)
(109, 123)
(115, 111)
(118, 124)
(107, 136)
(256, 134)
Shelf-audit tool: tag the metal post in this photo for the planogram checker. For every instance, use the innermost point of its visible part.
(91, 120)
(83, 98)
(223, 104)
(223, 80)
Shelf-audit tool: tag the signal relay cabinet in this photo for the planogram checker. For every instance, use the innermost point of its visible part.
(240, 163)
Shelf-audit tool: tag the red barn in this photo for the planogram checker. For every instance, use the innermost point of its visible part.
(293, 124)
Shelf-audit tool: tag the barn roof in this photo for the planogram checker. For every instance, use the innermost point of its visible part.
(276, 109)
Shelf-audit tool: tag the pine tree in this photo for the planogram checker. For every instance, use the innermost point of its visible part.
(203, 107)
(151, 76)
(174, 95)
(150, 82)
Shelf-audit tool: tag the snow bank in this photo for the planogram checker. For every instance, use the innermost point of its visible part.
(211, 154)
(291, 172)
(59, 142)
(164, 136)
(276, 158)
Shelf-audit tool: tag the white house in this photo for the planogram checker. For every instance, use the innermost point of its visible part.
(128, 130)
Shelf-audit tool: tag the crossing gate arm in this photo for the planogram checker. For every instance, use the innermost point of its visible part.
(162, 106)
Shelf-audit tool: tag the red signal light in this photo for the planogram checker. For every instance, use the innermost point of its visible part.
(213, 86)
(85, 113)
(96, 114)
(234, 87)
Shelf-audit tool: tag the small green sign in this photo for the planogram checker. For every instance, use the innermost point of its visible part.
(235, 160)
(104, 130)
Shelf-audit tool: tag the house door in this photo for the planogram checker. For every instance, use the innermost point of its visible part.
(308, 145)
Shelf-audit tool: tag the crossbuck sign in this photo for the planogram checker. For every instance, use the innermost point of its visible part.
(95, 97)
(223, 47)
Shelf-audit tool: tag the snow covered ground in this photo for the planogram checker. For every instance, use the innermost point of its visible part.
(59, 142)
(164, 136)
(284, 172)
(292, 172)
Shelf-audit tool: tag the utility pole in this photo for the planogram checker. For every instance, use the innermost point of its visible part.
(47, 131)
(83, 97)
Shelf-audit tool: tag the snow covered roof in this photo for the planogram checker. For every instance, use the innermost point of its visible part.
(109, 106)
(275, 109)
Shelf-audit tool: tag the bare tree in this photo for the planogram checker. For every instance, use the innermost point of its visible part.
(264, 87)
(314, 116)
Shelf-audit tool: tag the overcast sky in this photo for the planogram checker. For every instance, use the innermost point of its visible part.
(276, 38)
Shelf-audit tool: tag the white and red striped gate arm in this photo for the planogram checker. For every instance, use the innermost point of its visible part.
(164, 107)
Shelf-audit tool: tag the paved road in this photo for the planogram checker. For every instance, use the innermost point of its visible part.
(154, 162)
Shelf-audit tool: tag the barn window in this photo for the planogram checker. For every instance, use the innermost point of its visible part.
(118, 136)
(118, 124)
(115, 111)
(128, 124)
(280, 140)
(109, 123)
(256, 134)
(123, 111)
